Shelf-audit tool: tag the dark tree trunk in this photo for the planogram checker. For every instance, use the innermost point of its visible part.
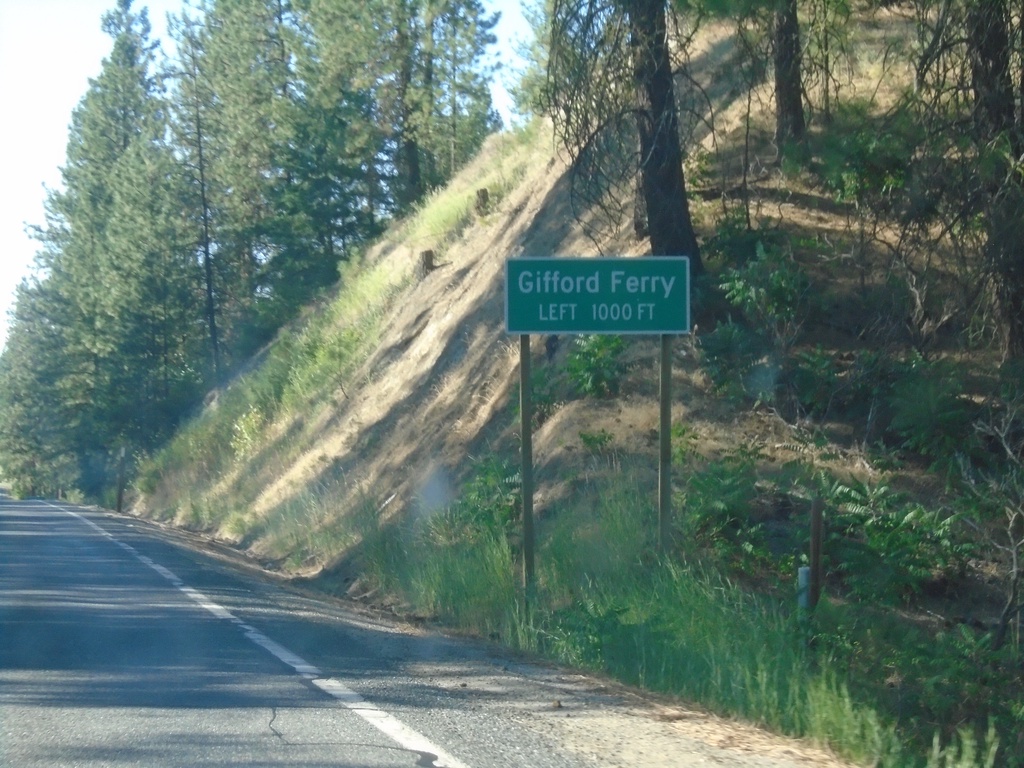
(789, 102)
(995, 119)
(640, 228)
(409, 149)
(661, 158)
(211, 305)
(1004, 253)
(988, 34)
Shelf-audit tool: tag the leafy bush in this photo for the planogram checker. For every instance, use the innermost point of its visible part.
(733, 241)
(545, 395)
(773, 292)
(596, 442)
(489, 505)
(729, 355)
(851, 386)
(931, 415)
(594, 365)
(717, 512)
(684, 442)
(865, 159)
(886, 548)
(718, 498)
(814, 381)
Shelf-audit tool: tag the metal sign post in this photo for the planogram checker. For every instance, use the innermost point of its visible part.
(648, 295)
(665, 440)
(526, 416)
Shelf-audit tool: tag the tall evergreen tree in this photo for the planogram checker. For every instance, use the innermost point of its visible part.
(192, 115)
(159, 342)
(82, 269)
(105, 311)
(248, 49)
(457, 91)
(36, 447)
(420, 65)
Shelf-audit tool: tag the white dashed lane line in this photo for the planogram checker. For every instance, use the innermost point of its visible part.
(389, 725)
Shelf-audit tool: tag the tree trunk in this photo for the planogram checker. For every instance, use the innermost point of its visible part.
(211, 306)
(409, 149)
(789, 104)
(661, 158)
(988, 36)
(995, 120)
(640, 228)
(1004, 254)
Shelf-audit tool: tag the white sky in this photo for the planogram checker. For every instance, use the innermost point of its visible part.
(48, 51)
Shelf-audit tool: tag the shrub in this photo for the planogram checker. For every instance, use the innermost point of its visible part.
(729, 355)
(931, 416)
(886, 548)
(596, 442)
(864, 158)
(594, 365)
(773, 292)
(814, 381)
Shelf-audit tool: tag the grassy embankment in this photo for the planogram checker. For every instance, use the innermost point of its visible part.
(712, 621)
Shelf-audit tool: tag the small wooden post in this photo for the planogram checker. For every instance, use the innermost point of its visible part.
(817, 540)
(665, 458)
(526, 414)
(483, 201)
(120, 481)
(427, 264)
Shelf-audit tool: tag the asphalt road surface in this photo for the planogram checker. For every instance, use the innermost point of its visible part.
(122, 646)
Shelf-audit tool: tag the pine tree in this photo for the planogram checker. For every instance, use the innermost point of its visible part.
(192, 115)
(36, 447)
(159, 341)
(247, 64)
(418, 68)
(92, 271)
(462, 112)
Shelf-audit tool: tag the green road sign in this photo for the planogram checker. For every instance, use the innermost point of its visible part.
(625, 295)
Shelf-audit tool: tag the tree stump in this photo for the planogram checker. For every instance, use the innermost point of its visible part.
(427, 263)
(483, 201)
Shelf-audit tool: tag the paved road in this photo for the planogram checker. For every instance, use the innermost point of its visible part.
(120, 645)
(118, 648)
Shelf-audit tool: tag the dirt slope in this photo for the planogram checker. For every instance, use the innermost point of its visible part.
(436, 391)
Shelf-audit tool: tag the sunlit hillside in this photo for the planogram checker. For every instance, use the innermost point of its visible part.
(382, 391)
(372, 449)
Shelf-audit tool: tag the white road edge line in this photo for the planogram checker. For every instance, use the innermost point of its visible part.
(389, 725)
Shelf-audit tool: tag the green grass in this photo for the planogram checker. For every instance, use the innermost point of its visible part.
(605, 602)
(444, 216)
(299, 373)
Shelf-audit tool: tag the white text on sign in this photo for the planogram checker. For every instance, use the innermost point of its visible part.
(552, 281)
